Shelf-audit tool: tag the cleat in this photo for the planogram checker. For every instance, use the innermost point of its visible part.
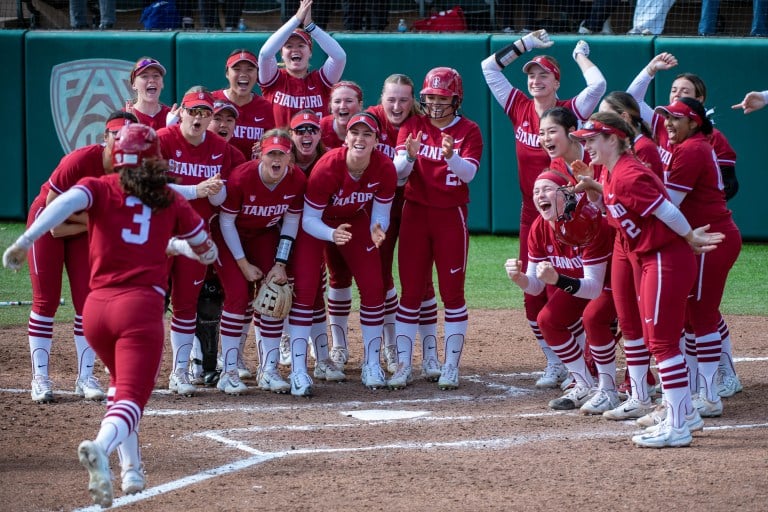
(242, 370)
(654, 417)
(449, 377)
(89, 388)
(327, 370)
(554, 375)
(41, 389)
(373, 376)
(390, 358)
(285, 350)
(573, 399)
(230, 383)
(430, 369)
(727, 385)
(271, 380)
(402, 376)
(568, 383)
(664, 436)
(179, 383)
(210, 379)
(693, 421)
(93, 458)
(630, 409)
(301, 384)
(708, 409)
(339, 356)
(603, 400)
(133, 480)
(196, 373)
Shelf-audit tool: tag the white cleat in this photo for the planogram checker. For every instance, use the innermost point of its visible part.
(42, 389)
(89, 388)
(430, 369)
(664, 436)
(133, 480)
(242, 370)
(401, 378)
(301, 384)
(271, 380)
(373, 377)
(93, 458)
(327, 370)
(554, 375)
(230, 383)
(180, 383)
(339, 356)
(390, 358)
(449, 377)
(285, 350)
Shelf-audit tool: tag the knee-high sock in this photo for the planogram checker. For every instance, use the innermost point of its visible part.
(548, 353)
(85, 354)
(428, 329)
(390, 314)
(271, 330)
(688, 349)
(231, 332)
(182, 336)
(726, 356)
(708, 353)
(319, 335)
(40, 329)
(674, 378)
(120, 420)
(605, 360)
(455, 334)
(573, 358)
(339, 305)
(638, 361)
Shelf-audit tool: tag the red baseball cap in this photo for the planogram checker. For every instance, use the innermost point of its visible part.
(242, 56)
(679, 109)
(303, 35)
(117, 123)
(365, 118)
(275, 143)
(197, 99)
(219, 106)
(595, 128)
(545, 64)
(146, 63)
(305, 118)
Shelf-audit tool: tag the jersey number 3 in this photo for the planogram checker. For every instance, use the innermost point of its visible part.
(141, 219)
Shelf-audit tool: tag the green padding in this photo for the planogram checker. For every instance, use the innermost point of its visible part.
(76, 80)
(372, 58)
(730, 68)
(13, 204)
(609, 54)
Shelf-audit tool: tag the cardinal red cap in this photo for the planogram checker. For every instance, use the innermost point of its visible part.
(275, 143)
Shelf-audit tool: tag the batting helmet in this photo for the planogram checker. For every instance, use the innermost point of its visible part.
(580, 221)
(133, 143)
(445, 82)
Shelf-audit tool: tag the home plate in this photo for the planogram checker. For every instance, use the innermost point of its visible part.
(384, 414)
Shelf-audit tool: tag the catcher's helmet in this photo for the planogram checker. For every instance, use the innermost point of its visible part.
(133, 143)
(445, 82)
(580, 221)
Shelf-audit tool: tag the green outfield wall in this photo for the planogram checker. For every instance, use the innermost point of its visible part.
(68, 82)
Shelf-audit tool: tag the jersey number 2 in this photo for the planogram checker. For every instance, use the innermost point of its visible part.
(141, 219)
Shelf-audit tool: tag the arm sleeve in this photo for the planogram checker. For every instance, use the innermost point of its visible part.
(267, 59)
(312, 222)
(587, 100)
(670, 215)
(290, 225)
(229, 232)
(592, 283)
(337, 57)
(380, 214)
(218, 198)
(464, 169)
(676, 196)
(403, 166)
(71, 201)
(188, 192)
(497, 82)
(637, 89)
(535, 285)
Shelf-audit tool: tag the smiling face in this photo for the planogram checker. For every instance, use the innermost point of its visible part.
(439, 107)
(273, 166)
(397, 100)
(223, 124)
(296, 54)
(194, 123)
(679, 128)
(541, 83)
(683, 88)
(149, 84)
(242, 79)
(360, 140)
(344, 104)
(306, 138)
(547, 199)
(602, 149)
(553, 138)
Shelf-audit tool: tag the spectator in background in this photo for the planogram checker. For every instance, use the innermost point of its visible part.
(708, 23)
(759, 18)
(599, 17)
(79, 17)
(505, 15)
(650, 16)
(209, 14)
(373, 12)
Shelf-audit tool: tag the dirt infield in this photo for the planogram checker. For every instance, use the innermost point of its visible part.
(493, 444)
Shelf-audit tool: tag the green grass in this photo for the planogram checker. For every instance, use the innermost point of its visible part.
(487, 283)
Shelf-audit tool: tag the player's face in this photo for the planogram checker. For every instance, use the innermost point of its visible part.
(600, 148)
(223, 124)
(273, 166)
(242, 78)
(109, 146)
(194, 122)
(306, 138)
(344, 104)
(361, 140)
(553, 137)
(679, 128)
(549, 202)
(438, 106)
(541, 83)
(149, 84)
(683, 88)
(296, 54)
(397, 100)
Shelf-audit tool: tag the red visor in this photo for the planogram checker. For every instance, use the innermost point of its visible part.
(679, 109)
(546, 65)
(275, 143)
(593, 128)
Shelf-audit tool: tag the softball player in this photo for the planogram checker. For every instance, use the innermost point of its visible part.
(133, 214)
(695, 185)
(66, 246)
(294, 87)
(439, 154)
(147, 80)
(198, 158)
(656, 232)
(543, 83)
(255, 114)
(346, 100)
(576, 276)
(348, 199)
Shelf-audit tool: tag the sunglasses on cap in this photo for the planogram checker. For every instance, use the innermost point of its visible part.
(198, 111)
(146, 62)
(302, 130)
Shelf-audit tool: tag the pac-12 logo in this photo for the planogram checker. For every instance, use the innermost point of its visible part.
(83, 94)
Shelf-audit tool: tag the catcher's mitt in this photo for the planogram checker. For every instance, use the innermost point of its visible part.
(274, 300)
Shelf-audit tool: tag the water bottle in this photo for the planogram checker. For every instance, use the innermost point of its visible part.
(401, 26)
(241, 26)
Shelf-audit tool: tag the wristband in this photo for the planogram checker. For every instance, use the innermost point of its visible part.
(284, 249)
(410, 158)
(505, 56)
(525, 48)
(568, 284)
(309, 28)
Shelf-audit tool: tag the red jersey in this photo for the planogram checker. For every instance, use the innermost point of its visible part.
(432, 183)
(80, 163)
(631, 193)
(559, 164)
(289, 94)
(531, 158)
(253, 119)
(330, 187)
(258, 207)
(388, 135)
(693, 170)
(156, 121)
(567, 259)
(128, 239)
(328, 135)
(194, 164)
(726, 156)
(648, 153)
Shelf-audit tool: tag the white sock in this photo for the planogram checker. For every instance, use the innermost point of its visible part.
(339, 305)
(40, 342)
(182, 336)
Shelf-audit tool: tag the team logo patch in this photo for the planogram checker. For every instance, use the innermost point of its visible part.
(83, 94)
(178, 153)
(436, 83)
(252, 198)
